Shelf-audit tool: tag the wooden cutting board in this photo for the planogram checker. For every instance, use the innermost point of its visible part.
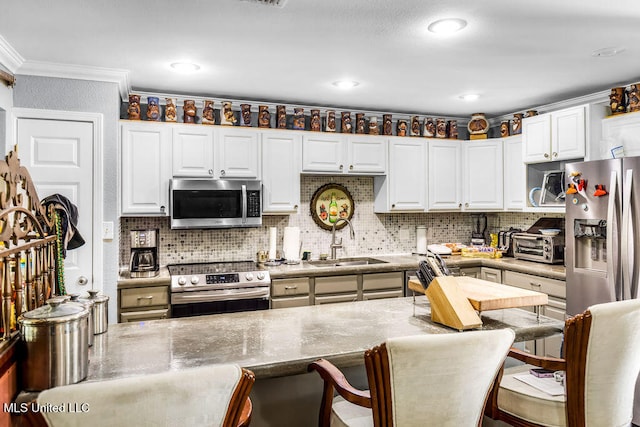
(484, 295)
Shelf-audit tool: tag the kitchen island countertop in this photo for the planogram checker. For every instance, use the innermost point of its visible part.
(281, 342)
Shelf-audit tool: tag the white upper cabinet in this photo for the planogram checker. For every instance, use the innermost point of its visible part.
(483, 177)
(559, 135)
(238, 153)
(405, 186)
(366, 154)
(281, 159)
(146, 168)
(621, 133)
(465, 175)
(514, 174)
(322, 152)
(193, 151)
(342, 153)
(445, 175)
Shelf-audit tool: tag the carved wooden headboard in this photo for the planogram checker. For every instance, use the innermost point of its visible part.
(28, 255)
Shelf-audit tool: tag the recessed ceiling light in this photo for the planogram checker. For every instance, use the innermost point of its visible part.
(185, 67)
(345, 84)
(447, 26)
(470, 97)
(607, 51)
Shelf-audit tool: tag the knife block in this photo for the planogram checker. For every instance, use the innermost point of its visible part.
(450, 305)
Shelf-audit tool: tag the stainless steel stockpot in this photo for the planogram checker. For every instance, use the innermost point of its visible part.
(55, 342)
(100, 311)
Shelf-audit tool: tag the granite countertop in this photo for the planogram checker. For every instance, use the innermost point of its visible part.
(281, 342)
(392, 263)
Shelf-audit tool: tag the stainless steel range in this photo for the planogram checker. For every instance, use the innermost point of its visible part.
(218, 287)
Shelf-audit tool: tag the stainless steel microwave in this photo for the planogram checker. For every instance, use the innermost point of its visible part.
(211, 203)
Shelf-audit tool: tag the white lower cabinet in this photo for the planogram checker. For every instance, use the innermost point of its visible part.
(281, 157)
(491, 274)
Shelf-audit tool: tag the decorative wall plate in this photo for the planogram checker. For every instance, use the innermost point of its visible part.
(330, 203)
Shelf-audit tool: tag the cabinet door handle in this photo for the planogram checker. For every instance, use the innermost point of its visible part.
(291, 287)
(149, 297)
(341, 167)
(555, 154)
(222, 172)
(210, 171)
(295, 207)
(537, 285)
(162, 209)
(350, 167)
(546, 155)
(459, 205)
(466, 205)
(393, 206)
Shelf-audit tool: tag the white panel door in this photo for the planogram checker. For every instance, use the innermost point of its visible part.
(238, 153)
(367, 154)
(193, 151)
(281, 159)
(445, 176)
(59, 157)
(483, 182)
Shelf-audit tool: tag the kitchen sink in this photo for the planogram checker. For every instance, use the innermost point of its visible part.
(342, 262)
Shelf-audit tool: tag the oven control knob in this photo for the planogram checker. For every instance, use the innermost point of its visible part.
(182, 281)
(260, 276)
(195, 280)
(249, 276)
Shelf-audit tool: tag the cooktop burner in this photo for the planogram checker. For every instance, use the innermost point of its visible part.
(217, 275)
(213, 267)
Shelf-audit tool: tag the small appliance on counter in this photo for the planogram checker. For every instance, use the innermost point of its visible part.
(479, 235)
(505, 240)
(144, 253)
(542, 242)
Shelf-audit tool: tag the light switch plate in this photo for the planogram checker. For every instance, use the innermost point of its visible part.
(107, 230)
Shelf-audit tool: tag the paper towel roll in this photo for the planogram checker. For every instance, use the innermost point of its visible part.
(291, 243)
(421, 239)
(273, 233)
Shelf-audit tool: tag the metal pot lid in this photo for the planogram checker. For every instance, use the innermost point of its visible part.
(55, 311)
(84, 301)
(93, 295)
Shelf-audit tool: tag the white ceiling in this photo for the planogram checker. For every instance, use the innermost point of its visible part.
(515, 54)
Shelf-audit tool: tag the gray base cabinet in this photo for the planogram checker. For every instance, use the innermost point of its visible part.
(143, 303)
(290, 292)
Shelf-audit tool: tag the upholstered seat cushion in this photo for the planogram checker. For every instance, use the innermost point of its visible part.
(527, 402)
(345, 414)
(189, 397)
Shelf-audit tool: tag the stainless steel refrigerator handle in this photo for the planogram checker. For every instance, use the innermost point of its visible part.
(244, 204)
(626, 229)
(612, 215)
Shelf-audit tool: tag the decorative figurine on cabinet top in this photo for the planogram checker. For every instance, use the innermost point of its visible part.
(281, 117)
(429, 128)
(504, 128)
(264, 117)
(298, 118)
(516, 124)
(387, 125)
(373, 126)
(190, 111)
(153, 108)
(360, 123)
(415, 126)
(331, 121)
(346, 122)
(315, 122)
(208, 117)
(401, 128)
(452, 129)
(170, 111)
(441, 128)
(478, 126)
(618, 100)
(531, 113)
(634, 97)
(245, 114)
(133, 111)
(226, 116)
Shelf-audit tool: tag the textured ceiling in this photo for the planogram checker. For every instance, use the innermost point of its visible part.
(515, 54)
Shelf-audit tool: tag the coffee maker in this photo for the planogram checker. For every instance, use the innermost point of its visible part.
(144, 253)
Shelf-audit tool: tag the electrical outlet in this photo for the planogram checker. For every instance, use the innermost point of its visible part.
(107, 230)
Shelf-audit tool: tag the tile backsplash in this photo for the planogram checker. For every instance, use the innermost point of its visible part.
(375, 234)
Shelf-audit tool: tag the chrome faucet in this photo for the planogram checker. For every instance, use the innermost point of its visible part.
(335, 245)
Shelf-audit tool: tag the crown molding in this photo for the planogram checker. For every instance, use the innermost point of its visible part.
(9, 57)
(79, 72)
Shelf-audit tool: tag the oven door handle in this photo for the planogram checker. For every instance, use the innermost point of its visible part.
(528, 237)
(219, 295)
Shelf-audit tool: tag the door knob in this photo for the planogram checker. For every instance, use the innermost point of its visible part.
(82, 280)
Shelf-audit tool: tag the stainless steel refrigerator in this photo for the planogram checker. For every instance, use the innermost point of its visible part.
(603, 235)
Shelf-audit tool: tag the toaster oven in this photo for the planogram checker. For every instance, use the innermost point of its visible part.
(539, 248)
